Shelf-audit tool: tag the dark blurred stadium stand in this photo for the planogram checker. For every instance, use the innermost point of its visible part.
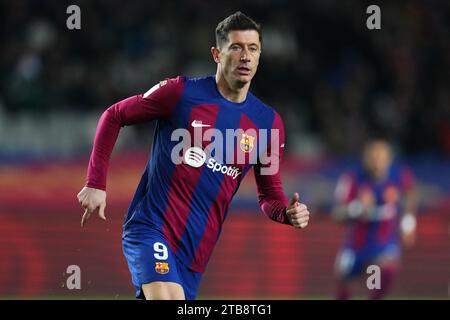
(320, 65)
(334, 82)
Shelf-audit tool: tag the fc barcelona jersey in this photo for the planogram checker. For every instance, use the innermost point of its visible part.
(382, 227)
(203, 147)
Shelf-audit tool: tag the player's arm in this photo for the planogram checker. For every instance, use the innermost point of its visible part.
(347, 204)
(408, 221)
(157, 103)
(271, 197)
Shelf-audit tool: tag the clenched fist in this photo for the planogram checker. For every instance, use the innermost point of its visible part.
(297, 212)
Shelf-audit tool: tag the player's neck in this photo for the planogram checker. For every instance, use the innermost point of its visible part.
(237, 95)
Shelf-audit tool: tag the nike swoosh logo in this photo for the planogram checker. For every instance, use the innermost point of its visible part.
(196, 124)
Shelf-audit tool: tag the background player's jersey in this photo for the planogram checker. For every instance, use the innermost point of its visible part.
(188, 202)
(381, 228)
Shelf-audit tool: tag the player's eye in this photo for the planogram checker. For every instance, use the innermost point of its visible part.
(235, 47)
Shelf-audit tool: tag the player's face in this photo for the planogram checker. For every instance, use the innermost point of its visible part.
(377, 158)
(239, 57)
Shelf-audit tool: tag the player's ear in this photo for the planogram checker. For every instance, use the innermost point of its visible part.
(215, 52)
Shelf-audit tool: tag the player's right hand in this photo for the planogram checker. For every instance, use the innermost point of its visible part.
(91, 200)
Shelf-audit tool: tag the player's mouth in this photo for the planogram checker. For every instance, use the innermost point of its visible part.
(244, 71)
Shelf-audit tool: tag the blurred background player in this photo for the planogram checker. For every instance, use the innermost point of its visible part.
(377, 203)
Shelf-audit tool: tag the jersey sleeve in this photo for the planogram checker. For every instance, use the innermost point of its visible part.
(271, 197)
(157, 103)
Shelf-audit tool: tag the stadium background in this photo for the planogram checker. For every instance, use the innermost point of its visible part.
(333, 81)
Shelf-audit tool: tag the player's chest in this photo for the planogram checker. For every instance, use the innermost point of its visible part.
(228, 135)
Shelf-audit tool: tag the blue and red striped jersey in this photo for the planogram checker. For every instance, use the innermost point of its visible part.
(187, 200)
(387, 196)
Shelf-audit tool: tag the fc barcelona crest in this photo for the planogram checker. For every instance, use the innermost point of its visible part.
(247, 142)
(162, 267)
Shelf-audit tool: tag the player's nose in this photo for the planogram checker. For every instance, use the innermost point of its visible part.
(245, 57)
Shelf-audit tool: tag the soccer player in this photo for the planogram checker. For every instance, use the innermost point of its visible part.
(176, 215)
(377, 201)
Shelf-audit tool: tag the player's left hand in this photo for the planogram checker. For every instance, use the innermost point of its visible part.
(297, 212)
